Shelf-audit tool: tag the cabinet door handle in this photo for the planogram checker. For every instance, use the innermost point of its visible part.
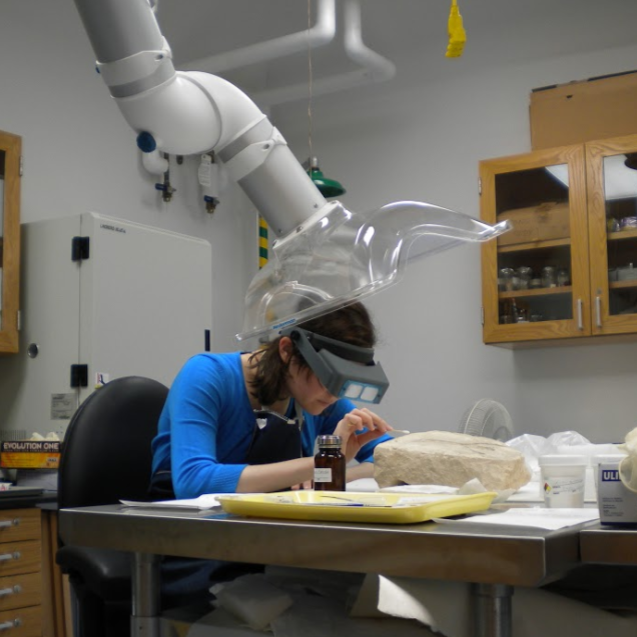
(5, 524)
(598, 310)
(4, 592)
(580, 320)
(11, 624)
(4, 557)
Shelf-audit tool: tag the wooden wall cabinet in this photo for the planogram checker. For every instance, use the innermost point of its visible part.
(10, 157)
(568, 269)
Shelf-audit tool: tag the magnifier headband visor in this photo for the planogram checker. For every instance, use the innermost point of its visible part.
(346, 371)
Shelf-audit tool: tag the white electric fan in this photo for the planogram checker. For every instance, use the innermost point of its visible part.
(487, 418)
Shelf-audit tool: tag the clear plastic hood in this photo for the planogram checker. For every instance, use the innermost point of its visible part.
(339, 257)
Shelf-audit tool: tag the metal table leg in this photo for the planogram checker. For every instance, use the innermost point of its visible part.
(492, 610)
(146, 595)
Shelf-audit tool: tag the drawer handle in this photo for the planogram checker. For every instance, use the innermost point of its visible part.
(4, 557)
(5, 524)
(11, 624)
(4, 592)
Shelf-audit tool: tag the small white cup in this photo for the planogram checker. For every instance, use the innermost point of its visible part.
(563, 479)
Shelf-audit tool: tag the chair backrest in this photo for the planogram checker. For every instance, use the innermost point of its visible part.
(106, 451)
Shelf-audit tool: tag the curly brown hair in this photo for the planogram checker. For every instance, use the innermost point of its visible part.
(351, 324)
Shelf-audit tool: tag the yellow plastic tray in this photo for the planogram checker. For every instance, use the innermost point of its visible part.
(348, 506)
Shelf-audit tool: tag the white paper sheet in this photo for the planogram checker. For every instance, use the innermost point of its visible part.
(206, 501)
(543, 518)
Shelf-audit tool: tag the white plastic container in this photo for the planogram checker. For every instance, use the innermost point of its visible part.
(563, 479)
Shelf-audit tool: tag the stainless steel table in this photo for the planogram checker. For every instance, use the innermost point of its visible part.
(609, 545)
(493, 559)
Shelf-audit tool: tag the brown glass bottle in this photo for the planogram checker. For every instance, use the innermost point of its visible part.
(329, 465)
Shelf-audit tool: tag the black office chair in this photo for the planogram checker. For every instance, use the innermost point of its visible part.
(106, 457)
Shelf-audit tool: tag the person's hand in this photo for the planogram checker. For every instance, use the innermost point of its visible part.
(355, 421)
(304, 485)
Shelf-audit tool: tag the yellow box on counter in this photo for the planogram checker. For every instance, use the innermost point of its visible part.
(30, 454)
(538, 223)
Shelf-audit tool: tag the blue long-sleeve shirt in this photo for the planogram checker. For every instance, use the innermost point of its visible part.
(207, 423)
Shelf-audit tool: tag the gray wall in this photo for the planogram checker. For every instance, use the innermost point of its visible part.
(424, 142)
(418, 138)
(80, 155)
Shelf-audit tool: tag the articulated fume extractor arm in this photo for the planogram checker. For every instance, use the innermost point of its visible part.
(325, 256)
(190, 113)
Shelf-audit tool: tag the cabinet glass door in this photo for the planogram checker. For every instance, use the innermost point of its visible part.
(534, 259)
(538, 271)
(612, 168)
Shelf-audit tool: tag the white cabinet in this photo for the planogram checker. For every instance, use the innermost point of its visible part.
(101, 298)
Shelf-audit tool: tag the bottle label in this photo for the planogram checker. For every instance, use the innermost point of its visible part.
(322, 475)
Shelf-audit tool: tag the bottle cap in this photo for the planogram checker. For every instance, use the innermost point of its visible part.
(329, 441)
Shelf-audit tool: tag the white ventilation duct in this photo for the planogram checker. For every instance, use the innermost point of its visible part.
(320, 34)
(374, 67)
(325, 256)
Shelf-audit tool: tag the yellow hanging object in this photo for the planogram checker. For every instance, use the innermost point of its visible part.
(457, 34)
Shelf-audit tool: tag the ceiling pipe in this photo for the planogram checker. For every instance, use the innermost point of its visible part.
(320, 34)
(375, 67)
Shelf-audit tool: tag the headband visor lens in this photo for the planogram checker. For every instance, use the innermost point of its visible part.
(357, 378)
(355, 390)
(346, 379)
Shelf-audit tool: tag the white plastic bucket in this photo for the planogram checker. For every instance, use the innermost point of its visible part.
(563, 479)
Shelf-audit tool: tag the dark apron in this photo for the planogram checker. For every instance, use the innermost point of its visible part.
(183, 580)
(275, 438)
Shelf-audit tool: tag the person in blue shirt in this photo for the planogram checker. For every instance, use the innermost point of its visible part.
(209, 436)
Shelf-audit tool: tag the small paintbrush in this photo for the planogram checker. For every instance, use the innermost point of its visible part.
(398, 432)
